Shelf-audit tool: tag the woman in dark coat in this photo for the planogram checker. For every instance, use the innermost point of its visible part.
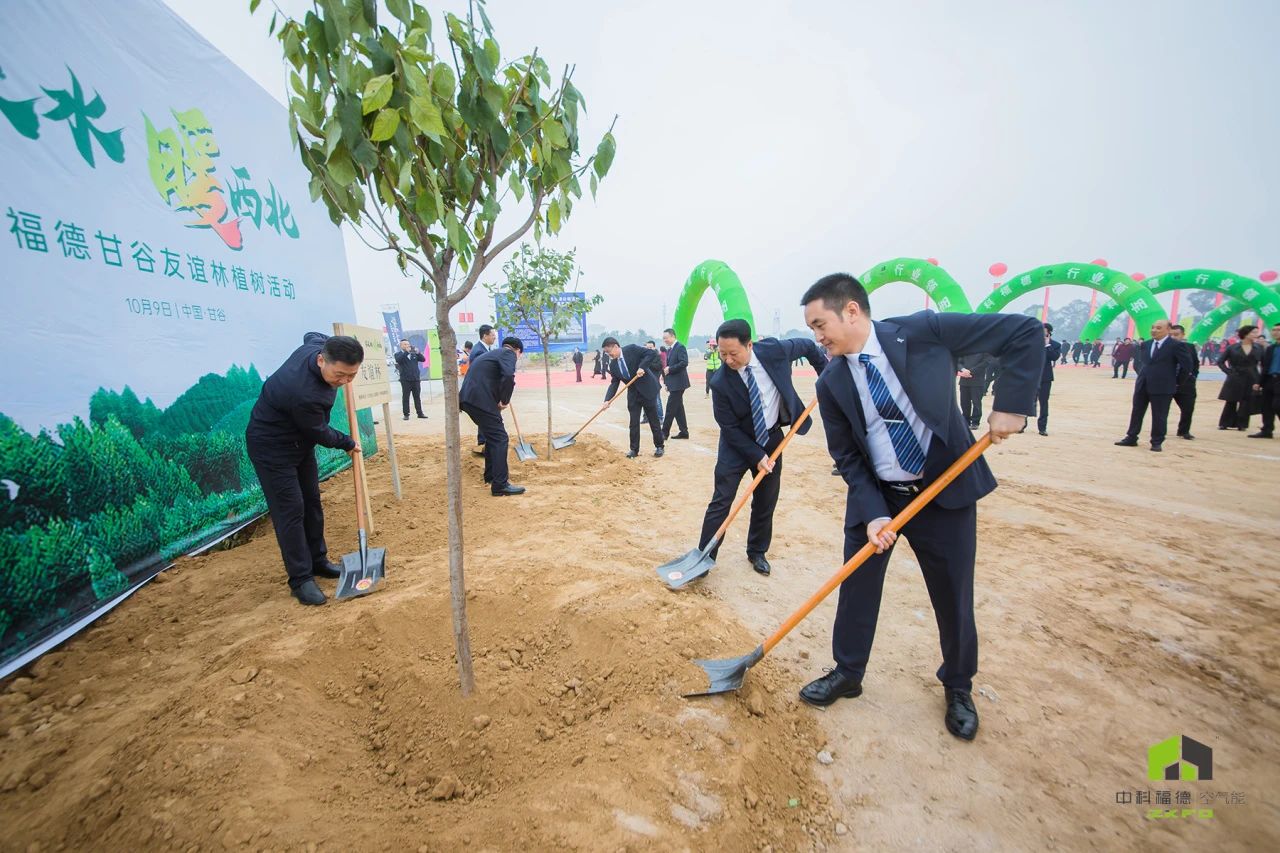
(595, 365)
(1242, 362)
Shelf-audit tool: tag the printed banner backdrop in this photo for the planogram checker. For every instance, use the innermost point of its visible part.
(159, 256)
(427, 342)
(574, 336)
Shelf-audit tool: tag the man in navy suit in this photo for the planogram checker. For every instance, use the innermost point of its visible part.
(1165, 362)
(290, 418)
(1052, 349)
(487, 342)
(628, 362)
(486, 391)
(753, 398)
(677, 373)
(888, 406)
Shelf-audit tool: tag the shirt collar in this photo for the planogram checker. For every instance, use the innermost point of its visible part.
(754, 362)
(872, 346)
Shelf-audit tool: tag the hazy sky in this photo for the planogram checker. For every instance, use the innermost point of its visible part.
(795, 139)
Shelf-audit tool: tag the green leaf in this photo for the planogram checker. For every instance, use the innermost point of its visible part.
(426, 117)
(401, 9)
(341, 170)
(405, 181)
(370, 11)
(296, 82)
(336, 14)
(271, 29)
(604, 155)
(452, 229)
(348, 111)
(415, 81)
(492, 53)
(443, 81)
(553, 216)
(517, 186)
(253, 6)
(376, 93)
(554, 133)
(594, 184)
(384, 126)
(366, 155)
(332, 136)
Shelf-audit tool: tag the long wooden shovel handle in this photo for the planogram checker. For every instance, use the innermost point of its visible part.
(516, 421)
(357, 460)
(761, 474)
(606, 404)
(898, 522)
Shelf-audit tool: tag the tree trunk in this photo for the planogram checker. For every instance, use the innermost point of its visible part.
(453, 473)
(546, 362)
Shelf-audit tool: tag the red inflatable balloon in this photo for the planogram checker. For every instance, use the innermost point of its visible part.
(998, 269)
(1099, 262)
(1268, 276)
(1138, 276)
(933, 261)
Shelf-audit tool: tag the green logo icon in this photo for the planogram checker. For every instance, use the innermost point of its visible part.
(1180, 758)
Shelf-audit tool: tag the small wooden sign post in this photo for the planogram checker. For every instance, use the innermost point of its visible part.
(371, 387)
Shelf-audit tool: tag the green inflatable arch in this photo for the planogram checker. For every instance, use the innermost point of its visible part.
(1213, 319)
(932, 279)
(729, 292)
(1139, 301)
(1253, 293)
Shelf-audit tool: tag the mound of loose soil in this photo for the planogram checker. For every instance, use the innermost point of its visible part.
(211, 711)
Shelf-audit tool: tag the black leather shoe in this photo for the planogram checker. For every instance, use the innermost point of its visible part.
(658, 451)
(424, 417)
(1157, 448)
(327, 570)
(823, 691)
(1259, 435)
(309, 593)
(632, 454)
(835, 470)
(506, 490)
(1044, 432)
(1127, 442)
(760, 564)
(1188, 436)
(406, 417)
(681, 435)
(962, 717)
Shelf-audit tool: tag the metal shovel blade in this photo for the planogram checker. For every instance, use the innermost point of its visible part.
(362, 571)
(727, 674)
(524, 451)
(691, 566)
(560, 442)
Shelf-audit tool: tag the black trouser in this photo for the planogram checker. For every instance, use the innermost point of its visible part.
(495, 446)
(1235, 415)
(675, 413)
(291, 484)
(1121, 369)
(1186, 400)
(578, 369)
(411, 388)
(763, 500)
(944, 542)
(650, 408)
(1042, 406)
(971, 403)
(1270, 404)
(1159, 404)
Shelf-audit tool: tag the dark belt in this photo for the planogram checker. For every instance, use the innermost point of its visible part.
(910, 487)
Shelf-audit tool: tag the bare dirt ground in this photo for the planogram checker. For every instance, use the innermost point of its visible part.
(1122, 597)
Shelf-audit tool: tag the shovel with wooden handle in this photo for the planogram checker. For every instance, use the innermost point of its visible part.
(363, 570)
(524, 450)
(560, 442)
(699, 561)
(727, 674)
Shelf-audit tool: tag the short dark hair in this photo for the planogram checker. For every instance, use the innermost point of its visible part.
(836, 291)
(1240, 332)
(739, 329)
(1179, 327)
(652, 343)
(467, 345)
(609, 342)
(485, 329)
(1048, 327)
(671, 332)
(343, 348)
(513, 342)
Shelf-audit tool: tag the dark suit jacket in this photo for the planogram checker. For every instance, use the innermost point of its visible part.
(479, 348)
(922, 349)
(644, 388)
(1160, 374)
(978, 365)
(1187, 382)
(678, 365)
(1052, 353)
(1267, 375)
(731, 402)
(293, 408)
(407, 365)
(490, 380)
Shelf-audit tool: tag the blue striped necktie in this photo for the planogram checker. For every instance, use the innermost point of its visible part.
(622, 366)
(905, 444)
(757, 409)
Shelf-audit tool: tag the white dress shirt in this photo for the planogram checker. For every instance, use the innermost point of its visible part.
(882, 453)
(770, 399)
